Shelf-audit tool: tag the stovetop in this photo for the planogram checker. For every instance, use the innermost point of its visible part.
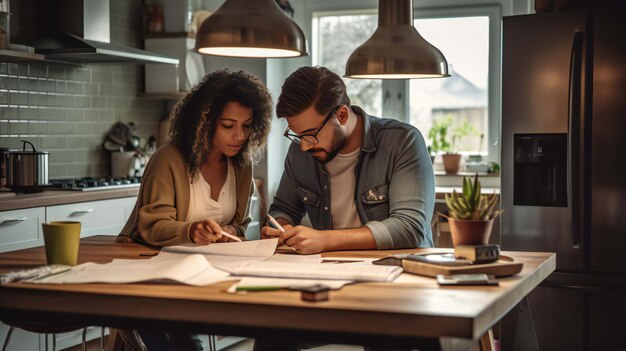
(93, 184)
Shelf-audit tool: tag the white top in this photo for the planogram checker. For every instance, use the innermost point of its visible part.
(342, 185)
(202, 206)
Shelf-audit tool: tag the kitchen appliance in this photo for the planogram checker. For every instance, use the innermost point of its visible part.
(26, 170)
(564, 173)
(78, 32)
(93, 184)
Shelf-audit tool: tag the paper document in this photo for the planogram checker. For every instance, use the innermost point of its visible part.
(251, 248)
(252, 282)
(295, 258)
(352, 271)
(190, 269)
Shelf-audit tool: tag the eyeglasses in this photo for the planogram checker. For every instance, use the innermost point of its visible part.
(310, 138)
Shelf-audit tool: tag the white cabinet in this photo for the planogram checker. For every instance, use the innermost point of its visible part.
(103, 217)
(20, 229)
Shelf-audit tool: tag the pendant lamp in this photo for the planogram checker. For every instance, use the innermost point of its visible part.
(250, 28)
(396, 50)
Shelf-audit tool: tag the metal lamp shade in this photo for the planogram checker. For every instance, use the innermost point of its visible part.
(396, 50)
(243, 28)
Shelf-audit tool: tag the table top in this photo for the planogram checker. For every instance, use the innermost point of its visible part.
(415, 310)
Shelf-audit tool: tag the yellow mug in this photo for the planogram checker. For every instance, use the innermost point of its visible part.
(61, 240)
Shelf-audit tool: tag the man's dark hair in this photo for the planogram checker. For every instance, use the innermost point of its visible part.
(311, 86)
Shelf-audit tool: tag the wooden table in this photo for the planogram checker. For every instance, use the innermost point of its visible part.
(418, 313)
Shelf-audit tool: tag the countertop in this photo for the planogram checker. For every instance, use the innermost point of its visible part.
(60, 197)
(440, 191)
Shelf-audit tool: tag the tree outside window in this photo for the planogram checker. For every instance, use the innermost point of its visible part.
(338, 36)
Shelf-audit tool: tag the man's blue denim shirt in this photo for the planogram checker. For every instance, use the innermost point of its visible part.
(395, 186)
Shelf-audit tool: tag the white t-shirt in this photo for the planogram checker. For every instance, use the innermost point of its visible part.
(202, 206)
(342, 184)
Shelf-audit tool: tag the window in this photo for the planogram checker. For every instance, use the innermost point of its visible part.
(469, 37)
(461, 100)
(337, 37)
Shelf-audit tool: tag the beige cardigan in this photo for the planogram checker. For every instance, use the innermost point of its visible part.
(160, 214)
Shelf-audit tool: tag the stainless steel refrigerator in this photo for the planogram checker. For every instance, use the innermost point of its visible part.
(564, 174)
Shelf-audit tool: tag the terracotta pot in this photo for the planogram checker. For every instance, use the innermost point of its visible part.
(451, 162)
(470, 232)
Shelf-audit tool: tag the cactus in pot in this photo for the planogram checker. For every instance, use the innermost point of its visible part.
(471, 213)
(471, 204)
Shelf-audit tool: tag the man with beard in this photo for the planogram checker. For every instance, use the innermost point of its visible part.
(365, 182)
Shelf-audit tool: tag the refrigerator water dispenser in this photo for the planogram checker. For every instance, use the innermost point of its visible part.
(540, 170)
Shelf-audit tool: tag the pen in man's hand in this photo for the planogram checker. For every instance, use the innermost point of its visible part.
(277, 225)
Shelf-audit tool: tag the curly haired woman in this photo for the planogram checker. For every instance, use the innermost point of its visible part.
(201, 182)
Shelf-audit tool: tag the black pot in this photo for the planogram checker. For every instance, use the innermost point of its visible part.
(27, 170)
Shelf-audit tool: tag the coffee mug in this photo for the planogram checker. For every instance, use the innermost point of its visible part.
(61, 240)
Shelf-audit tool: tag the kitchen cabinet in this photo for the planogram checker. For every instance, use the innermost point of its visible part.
(172, 80)
(20, 229)
(104, 217)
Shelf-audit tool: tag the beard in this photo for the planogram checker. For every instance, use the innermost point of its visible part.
(337, 142)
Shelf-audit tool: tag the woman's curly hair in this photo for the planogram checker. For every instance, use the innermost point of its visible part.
(194, 116)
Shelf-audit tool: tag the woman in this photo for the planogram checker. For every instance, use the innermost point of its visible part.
(201, 182)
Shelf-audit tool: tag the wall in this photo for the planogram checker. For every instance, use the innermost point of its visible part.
(66, 109)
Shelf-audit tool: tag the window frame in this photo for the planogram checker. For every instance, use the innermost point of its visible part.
(395, 92)
(494, 14)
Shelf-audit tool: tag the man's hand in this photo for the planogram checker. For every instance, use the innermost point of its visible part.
(305, 240)
(268, 232)
(205, 232)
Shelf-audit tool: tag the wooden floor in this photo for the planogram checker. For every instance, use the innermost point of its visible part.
(94, 345)
(247, 346)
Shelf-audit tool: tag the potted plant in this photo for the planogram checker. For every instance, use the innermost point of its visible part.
(444, 137)
(471, 213)
(438, 135)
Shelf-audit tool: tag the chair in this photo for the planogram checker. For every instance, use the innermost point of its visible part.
(47, 329)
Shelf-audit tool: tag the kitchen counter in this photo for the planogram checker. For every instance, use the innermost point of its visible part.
(60, 197)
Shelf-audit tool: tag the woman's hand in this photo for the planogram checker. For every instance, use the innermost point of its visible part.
(230, 230)
(205, 232)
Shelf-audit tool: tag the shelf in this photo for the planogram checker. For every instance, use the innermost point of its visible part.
(466, 174)
(175, 95)
(13, 56)
(168, 35)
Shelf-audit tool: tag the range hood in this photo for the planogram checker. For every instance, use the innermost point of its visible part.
(80, 32)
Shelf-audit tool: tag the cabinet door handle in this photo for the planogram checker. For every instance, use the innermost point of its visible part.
(13, 221)
(81, 212)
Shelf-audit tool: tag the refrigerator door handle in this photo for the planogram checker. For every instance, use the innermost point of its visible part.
(574, 153)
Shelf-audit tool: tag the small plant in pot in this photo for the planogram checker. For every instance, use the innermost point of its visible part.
(444, 137)
(471, 213)
(438, 134)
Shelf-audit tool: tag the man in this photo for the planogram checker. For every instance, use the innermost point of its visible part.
(365, 182)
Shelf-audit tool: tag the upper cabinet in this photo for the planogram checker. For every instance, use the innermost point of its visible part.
(173, 81)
